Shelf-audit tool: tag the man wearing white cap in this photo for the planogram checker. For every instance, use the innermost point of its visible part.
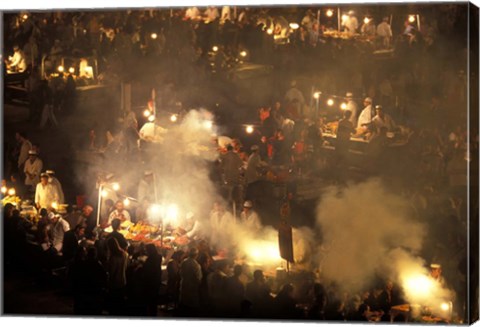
(56, 184)
(366, 115)
(352, 106)
(59, 227)
(250, 218)
(45, 193)
(33, 168)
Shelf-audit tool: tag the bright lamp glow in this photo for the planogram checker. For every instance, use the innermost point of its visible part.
(71, 70)
(215, 48)
(153, 36)
(173, 118)
(147, 113)
(208, 124)
(294, 26)
(126, 202)
(316, 95)
(344, 17)
(445, 306)
(171, 214)
(329, 13)
(330, 102)
(156, 209)
(60, 69)
(243, 53)
(418, 286)
(116, 186)
(54, 205)
(4, 189)
(104, 193)
(366, 20)
(343, 106)
(269, 31)
(263, 251)
(411, 18)
(11, 192)
(249, 129)
(151, 118)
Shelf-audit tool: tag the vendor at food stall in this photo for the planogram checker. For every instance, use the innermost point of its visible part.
(193, 227)
(382, 119)
(249, 217)
(365, 116)
(52, 179)
(45, 193)
(17, 63)
(350, 22)
(32, 169)
(352, 106)
(120, 213)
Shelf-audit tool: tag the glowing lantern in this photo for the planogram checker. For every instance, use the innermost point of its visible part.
(343, 106)
(445, 306)
(215, 48)
(153, 36)
(366, 20)
(147, 113)
(249, 129)
(151, 118)
(11, 192)
(60, 69)
(173, 118)
(243, 53)
(54, 205)
(294, 26)
(411, 18)
(316, 95)
(104, 193)
(126, 202)
(329, 13)
(4, 189)
(344, 17)
(269, 31)
(115, 186)
(71, 70)
(330, 102)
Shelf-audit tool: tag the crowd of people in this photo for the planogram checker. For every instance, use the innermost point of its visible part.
(411, 95)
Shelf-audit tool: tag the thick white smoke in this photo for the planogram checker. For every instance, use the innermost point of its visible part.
(181, 164)
(360, 225)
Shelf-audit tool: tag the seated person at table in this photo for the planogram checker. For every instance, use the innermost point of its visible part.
(382, 119)
(115, 234)
(120, 212)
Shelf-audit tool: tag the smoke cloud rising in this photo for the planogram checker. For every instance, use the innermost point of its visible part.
(361, 225)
